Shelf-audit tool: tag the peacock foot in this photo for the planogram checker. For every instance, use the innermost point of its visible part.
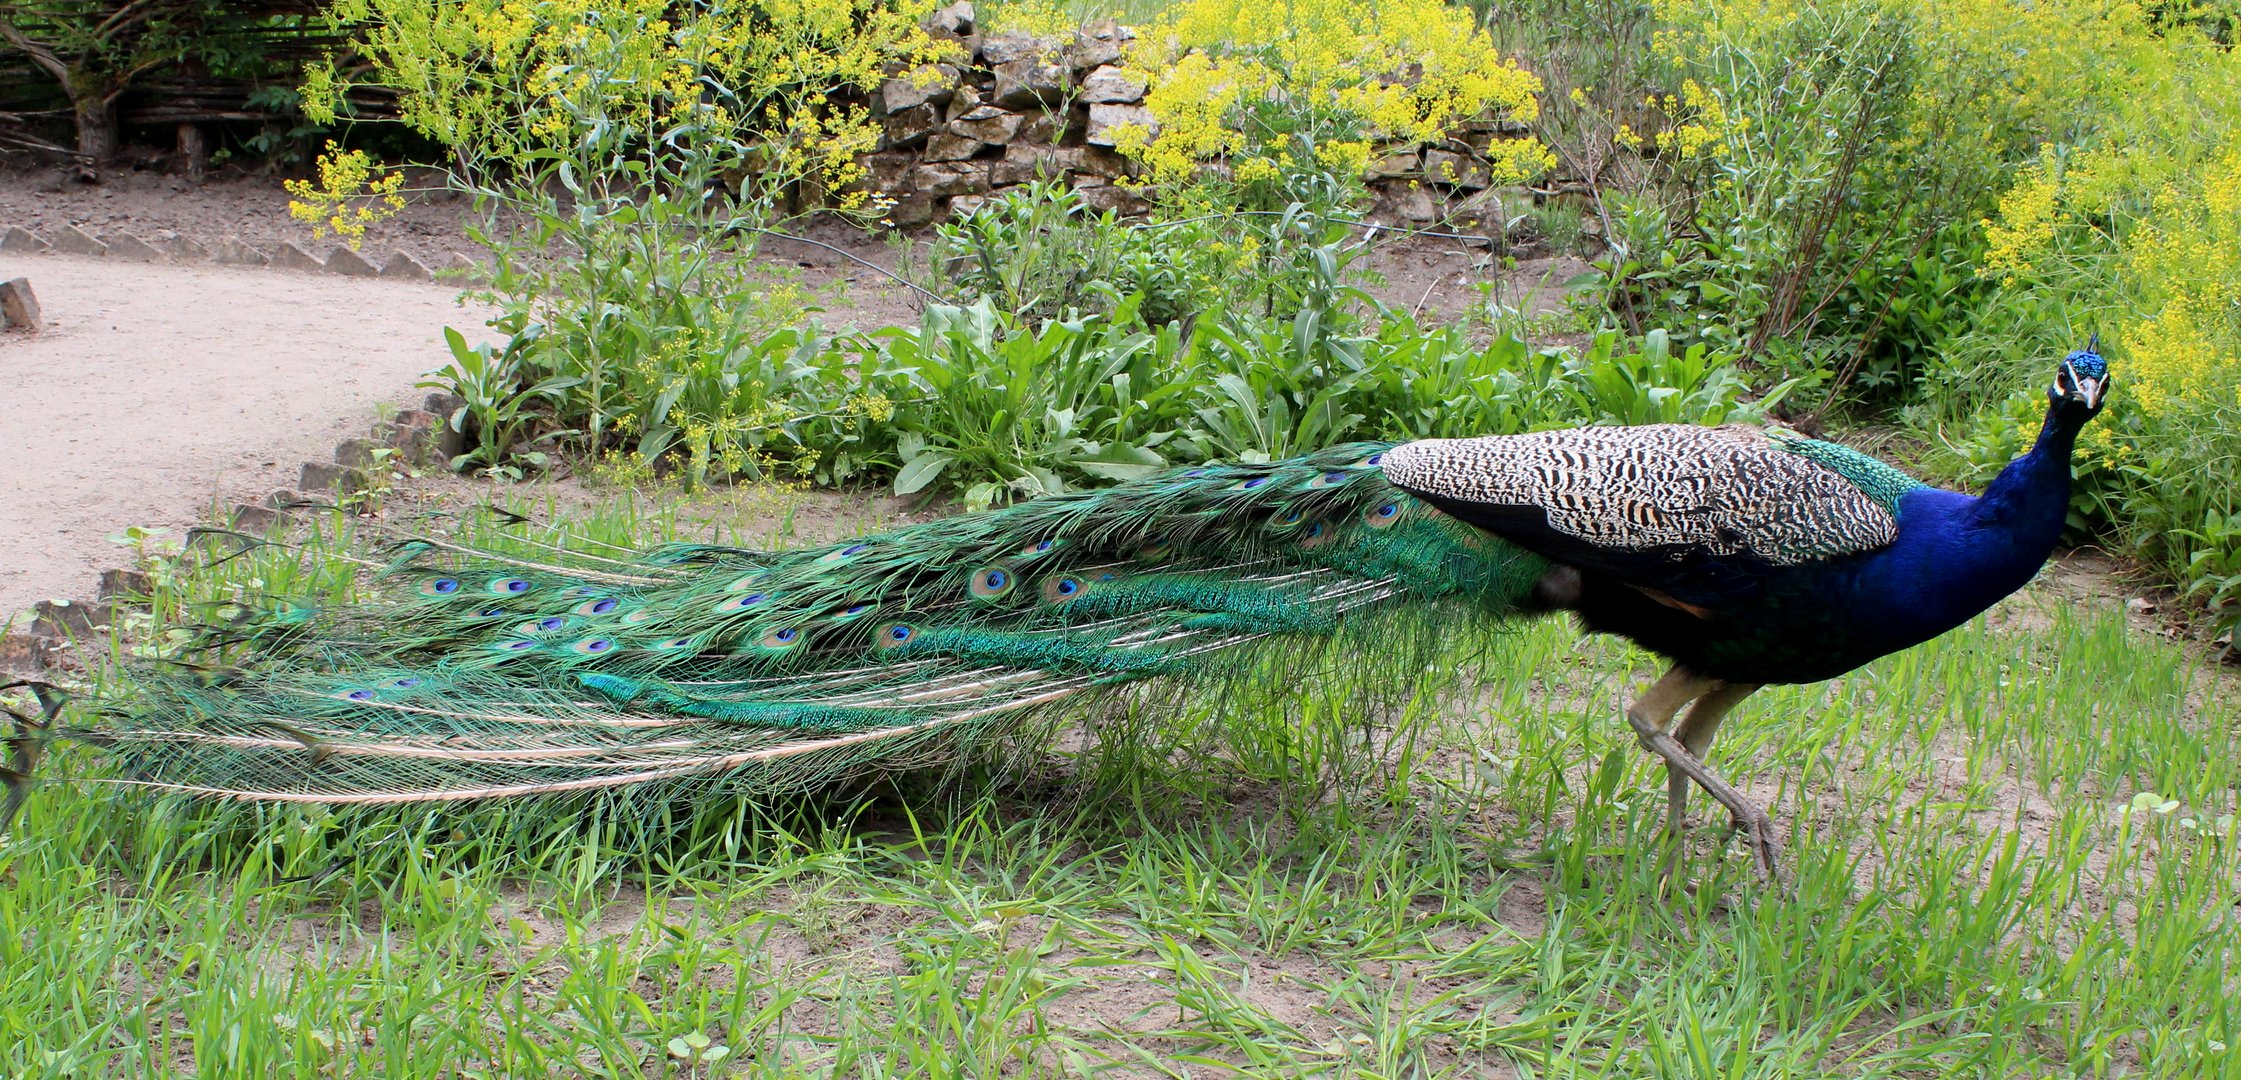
(1746, 816)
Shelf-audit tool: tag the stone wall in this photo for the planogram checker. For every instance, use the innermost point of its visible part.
(1012, 109)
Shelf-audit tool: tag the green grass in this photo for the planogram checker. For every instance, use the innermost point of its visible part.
(1475, 894)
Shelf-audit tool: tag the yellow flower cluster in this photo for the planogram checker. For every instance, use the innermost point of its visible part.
(1701, 123)
(510, 81)
(2029, 213)
(348, 196)
(1346, 72)
(2188, 265)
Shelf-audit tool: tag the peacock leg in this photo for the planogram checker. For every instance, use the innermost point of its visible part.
(1651, 712)
(1695, 734)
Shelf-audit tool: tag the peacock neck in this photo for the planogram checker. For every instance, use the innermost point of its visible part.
(2030, 498)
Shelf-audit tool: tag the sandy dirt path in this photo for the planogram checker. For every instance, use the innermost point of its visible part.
(158, 389)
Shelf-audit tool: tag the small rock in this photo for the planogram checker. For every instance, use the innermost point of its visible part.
(1095, 161)
(945, 146)
(950, 178)
(1391, 166)
(965, 100)
(1020, 168)
(73, 240)
(1412, 203)
(956, 20)
(1117, 198)
(291, 257)
(67, 619)
(19, 309)
(21, 241)
(443, 404)
(1109, 85)
(927, 84)
(987, 124)
(185, 249)
(1097, 44)
(1042, 127)
(232, 252)
(1105, 119)
(349, 263)
(284, 499)
(130, 248)
(963, 206)
(322, 477)
(1021, 83)
(2140, 605)
(413, 435)
(888, 170)
(253, 519)
(403, 267)
(460, 266)
(911, 126)
(24, 654)
(1013, 45)
(356, 453)
(126, 584)
(1456, 170)
(910, 210)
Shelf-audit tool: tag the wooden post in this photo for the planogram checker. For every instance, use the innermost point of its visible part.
(194, 150)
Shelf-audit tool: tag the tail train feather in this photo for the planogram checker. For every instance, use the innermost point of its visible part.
(483, 676)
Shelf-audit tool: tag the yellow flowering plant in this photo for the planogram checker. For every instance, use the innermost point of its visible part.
(1265, 92)
(350, 195)
(626, 154)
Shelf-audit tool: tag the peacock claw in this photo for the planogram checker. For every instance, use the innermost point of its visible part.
(1746, 816)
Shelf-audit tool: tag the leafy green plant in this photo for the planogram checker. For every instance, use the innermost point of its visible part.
(624, 154)
(499, 411)
(1016, 412)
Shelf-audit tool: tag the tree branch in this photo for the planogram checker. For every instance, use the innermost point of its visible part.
(39, 54)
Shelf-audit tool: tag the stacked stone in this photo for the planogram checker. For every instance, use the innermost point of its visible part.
(1013, 109)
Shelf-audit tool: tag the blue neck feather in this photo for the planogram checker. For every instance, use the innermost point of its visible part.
(2030, 498)
(1957, 555)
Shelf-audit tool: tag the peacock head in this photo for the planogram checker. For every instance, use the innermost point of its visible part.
(2081, 384)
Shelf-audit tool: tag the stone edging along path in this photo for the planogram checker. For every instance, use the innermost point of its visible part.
(39, 640)
(286, 255)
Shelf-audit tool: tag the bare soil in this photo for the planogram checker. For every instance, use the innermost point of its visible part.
(156, 388)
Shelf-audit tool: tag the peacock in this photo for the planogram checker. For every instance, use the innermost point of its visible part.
(1744, 555)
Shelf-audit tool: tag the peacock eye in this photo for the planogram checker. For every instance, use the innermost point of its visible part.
(899, 633)
(785, 635)
(551, 622)
(1374, 458)
(517, 646)
(603, 607)
(1068, 586)
(598, 645)
(1256, 481)
(1333, 477)
(360, 695)
(994, 580)
(517, 585)
(856, 549)
(1388, 510)
(447, 585)
(857, 609)
(1315, 530)
(406, 683)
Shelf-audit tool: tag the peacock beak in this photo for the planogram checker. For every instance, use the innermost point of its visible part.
(2084, 387)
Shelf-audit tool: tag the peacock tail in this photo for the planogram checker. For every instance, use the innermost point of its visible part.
(476, 675)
